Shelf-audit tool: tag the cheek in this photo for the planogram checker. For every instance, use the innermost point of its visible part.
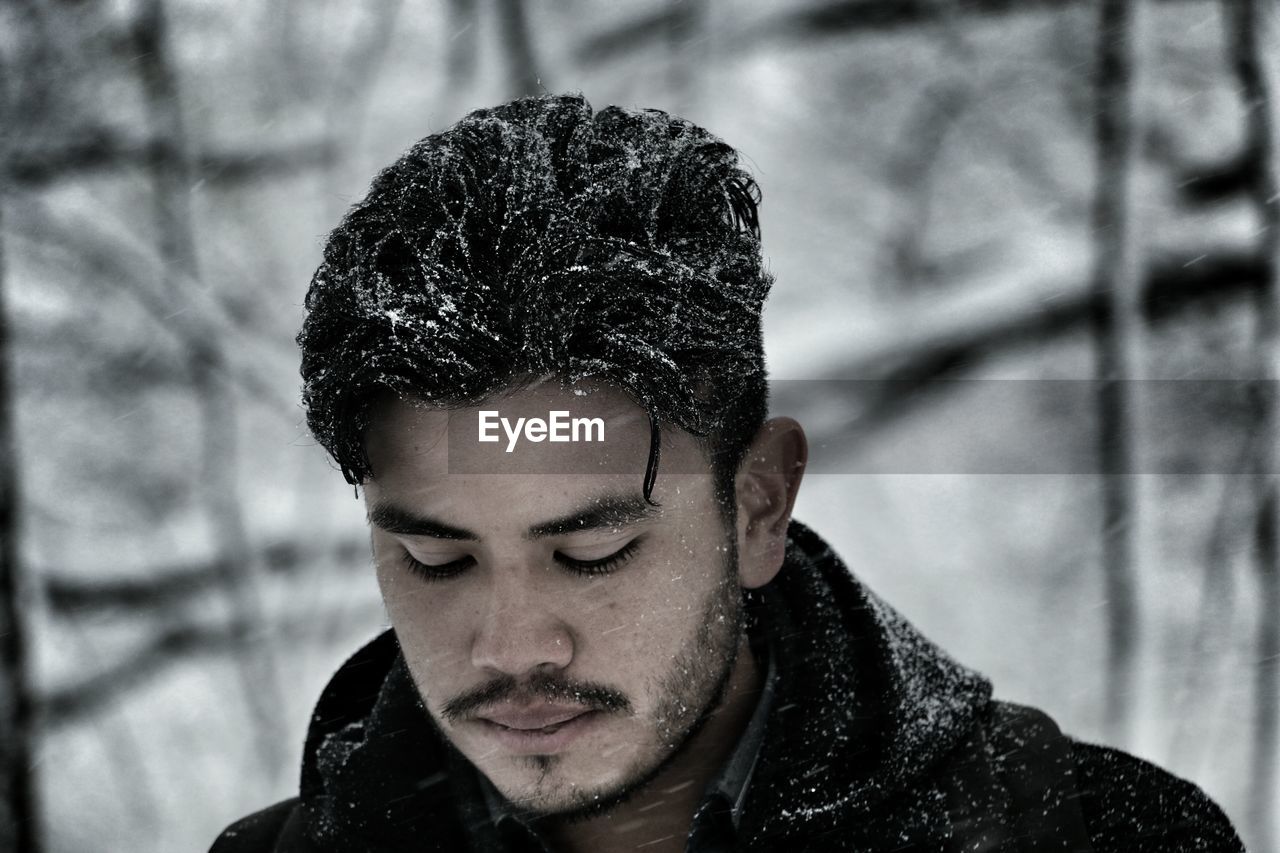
(431, 636)
(641, 632)
(403, 595)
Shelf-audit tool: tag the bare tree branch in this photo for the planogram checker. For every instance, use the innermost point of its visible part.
(517, 46)
(104, 151)
(950, 336)
(1217, 591)
(634, 34)
(1254, 27)
(346, 104)
(805, 23)
(290, 49)
(911, 171)
(1208, 184)
(360, 69)
(840, 18)
(949, 330)
(689, 48)
(20, 827)
(178, 644)
(118, 262)
(19, 811)
(1117, 326)
(175, 237)
(172, 586)
(460, 53)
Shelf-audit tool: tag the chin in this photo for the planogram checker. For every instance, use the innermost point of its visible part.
(550, 787)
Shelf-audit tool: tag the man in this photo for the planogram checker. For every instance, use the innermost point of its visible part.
(536, 346)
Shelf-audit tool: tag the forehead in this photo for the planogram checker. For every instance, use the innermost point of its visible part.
(426, 457)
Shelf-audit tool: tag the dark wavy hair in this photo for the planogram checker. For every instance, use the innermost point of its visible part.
(539, 239)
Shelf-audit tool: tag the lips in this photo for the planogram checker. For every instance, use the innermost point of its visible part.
(538, 729)
(534, 717)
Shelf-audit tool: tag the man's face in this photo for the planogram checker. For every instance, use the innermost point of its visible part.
(566, 637)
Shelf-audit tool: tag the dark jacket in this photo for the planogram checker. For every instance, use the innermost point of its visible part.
(876, 741)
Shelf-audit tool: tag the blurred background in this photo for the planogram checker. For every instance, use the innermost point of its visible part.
(1025, 302)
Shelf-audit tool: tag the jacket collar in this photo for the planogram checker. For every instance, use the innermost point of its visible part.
(867, 705)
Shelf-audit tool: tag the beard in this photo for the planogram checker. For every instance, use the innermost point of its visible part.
(688, 693)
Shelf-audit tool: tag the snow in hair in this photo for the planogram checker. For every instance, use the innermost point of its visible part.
(540, 238)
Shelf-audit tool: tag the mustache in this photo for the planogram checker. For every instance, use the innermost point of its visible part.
(592, 696)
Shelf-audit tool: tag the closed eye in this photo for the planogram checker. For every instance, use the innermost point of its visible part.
(453, 568)
(603, 565)
(437, 572)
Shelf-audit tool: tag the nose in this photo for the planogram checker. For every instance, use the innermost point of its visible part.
(519, 632)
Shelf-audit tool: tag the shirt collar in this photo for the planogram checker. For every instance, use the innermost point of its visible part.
(733, 781)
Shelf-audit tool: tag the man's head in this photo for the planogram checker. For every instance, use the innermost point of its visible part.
(524, 601)
(540, 239)
(570, 619)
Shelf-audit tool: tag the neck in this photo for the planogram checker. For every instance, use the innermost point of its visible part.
(657, 818)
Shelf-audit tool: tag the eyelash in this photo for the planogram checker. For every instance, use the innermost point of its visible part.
(586, 568)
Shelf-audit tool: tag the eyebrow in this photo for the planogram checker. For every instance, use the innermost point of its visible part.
(601, 512)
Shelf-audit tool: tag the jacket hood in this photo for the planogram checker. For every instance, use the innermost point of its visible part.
(865, 706)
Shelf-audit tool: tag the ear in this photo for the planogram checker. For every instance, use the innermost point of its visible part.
(765, 487)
